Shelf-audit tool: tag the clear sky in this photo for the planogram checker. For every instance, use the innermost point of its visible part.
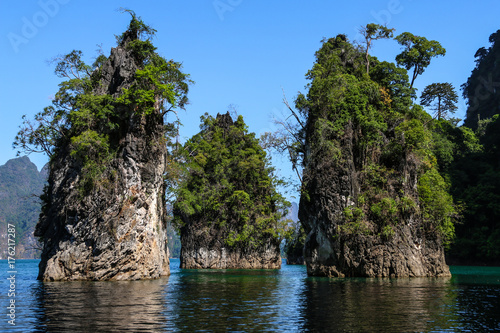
(238, 52)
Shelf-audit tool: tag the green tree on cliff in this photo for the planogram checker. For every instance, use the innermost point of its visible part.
(482, 89)
(371, 32)
(89, 123)
(442, 99)
(417, 53)
(388, 134)
(475, 173)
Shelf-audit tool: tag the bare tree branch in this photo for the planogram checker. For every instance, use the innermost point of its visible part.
(291, 110)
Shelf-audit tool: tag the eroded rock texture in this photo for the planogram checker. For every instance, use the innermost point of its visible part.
(336, 247)
(227, 258)
(369, 186)
(116, 230)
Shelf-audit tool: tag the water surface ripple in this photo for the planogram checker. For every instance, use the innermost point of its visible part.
(283, 300)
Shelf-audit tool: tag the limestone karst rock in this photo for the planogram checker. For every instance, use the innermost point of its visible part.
(114, 229)
(228, 208)
(370, 186)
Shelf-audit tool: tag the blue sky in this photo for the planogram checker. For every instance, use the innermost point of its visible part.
(238, 52)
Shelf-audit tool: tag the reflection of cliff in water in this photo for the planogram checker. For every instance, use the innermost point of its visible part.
(124, 306)
(224, 300)
(285, 300)
(376, 305)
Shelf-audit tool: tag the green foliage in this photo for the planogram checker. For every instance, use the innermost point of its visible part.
(89, 125)
(441, 97)
(451, 143)
(137, 29)
(414, 135)
(338, 99)
(373, 32)
(353, 213)
(395, 79)
(474, 173)
(89, 145)
(372, 121)
(481, 90)
(92, 151)
(385, 210)
(229, 186)
(387, 232)
(438, 209)
(417, 53)
(355, 221)
(295, 239)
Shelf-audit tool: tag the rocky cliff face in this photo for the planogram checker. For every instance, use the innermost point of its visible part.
(341, 245)
(116, 230)
(205, 248)
(368, 179)
(335, 248)
(215, 256)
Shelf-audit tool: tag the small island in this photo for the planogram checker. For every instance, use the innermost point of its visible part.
(103, 211)
(373, 203)
(228, 210)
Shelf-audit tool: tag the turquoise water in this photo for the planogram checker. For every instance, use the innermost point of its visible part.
(283, 300)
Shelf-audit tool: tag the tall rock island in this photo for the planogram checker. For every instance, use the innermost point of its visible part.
(104, 213)
(373, 203)
(228, 209)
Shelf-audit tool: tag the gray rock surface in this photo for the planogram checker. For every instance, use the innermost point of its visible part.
(117, 231)
(204, 247)
(332, 186)
(224, 258)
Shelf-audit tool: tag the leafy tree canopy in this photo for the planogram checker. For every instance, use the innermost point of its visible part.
(442, 99)
(371, 32)
(386, 128)
(417, 53)
(86, 121)
(482, 89)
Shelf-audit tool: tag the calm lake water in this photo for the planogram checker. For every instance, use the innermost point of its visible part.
(283, 300)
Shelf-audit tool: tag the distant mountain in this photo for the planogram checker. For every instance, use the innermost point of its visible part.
(293, 212)
(20, 185)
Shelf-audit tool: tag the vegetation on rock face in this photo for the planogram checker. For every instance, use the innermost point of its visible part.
(482, 89)
(111, 159)
(358, 115)
(229, 187)
(469, 157)
(371, 121)
(373, 32)
(87, 123)
(294, 246)
(386, 140)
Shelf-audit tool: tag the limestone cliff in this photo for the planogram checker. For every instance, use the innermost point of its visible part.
(372, 202)
(113, 226)
(228, 209)
(337, 246)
